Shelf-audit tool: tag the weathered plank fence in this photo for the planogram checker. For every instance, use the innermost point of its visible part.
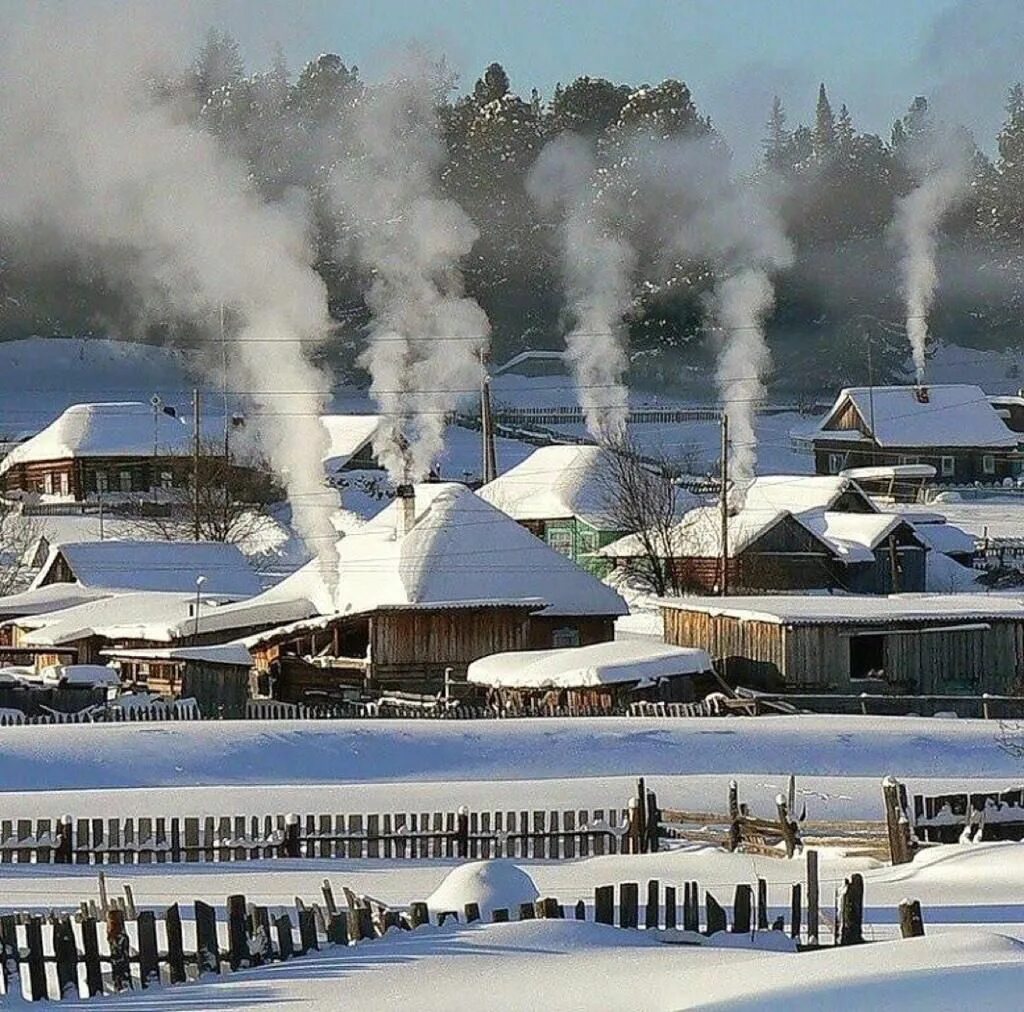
(114, 948)
(948, 818)
(459, 834)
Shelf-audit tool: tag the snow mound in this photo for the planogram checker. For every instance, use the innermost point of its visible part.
(490, 884)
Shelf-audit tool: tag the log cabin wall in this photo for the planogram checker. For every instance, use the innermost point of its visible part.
(549, 631)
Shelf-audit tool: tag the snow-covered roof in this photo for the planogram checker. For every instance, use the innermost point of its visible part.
(956, 414)
(152, 616)
(81, 674)
(52, 597)
(799, 493)
(855, 536)
(116, 429)
(555, 483)
(347, 435)
(947, 539)
(154, 566)
(234, 654)
(699, 534)
(599, 664)
(854, 609)
(461, 549)
(889, 472)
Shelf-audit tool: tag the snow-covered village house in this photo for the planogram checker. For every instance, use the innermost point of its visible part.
(953, 427)
(563, 494)
(115, 450)
(429, 585)
(908, 643)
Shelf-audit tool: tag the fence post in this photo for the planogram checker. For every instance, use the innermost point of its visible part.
(788, 827)
(36, 959)
(670, 906)
(66, 956)
(418, 914)
(307, 931)
(238, 935)
(462, 832)
(762, 905)
(499, 915)
(290, 846)
(149, 958)
(652, 913)
(175, 951)
(62, 852)
(715, 915)
(795, 911)
(812, 897)
(207, 948)
(9, 965)
(911, 921)
(117, 940)
(526, 912)
(653, 827)
(91, 957)
(472, 911)
(629, 905)
(285, 943)
(580, 910)
(896, 823)
(604, 905)
(851, 911)
(691, 906)
(735, 832)
(741, 903)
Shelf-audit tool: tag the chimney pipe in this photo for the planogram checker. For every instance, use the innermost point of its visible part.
(406, 496)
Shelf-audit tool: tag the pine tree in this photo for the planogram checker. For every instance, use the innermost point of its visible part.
(1009, 185)
(824, 125)
(778, 140)
(494, 84)
(844, 129)
(218, 65)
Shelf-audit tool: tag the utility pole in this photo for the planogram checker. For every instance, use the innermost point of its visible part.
(195, 464)
(490, 468)
(723, 506)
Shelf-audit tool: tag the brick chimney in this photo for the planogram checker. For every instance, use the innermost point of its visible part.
(406, 496)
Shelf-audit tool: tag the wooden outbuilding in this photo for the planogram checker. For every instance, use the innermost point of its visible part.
(912, 643)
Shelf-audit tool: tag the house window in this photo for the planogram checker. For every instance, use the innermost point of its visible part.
(588, 541)
(101, 481)
(126, 481)
(65, 484)
(988, 464)
(560, 540)
(48, 483)
(565, 637)
(906, 459)
(948, 467)
(836, 462)
(166, 479)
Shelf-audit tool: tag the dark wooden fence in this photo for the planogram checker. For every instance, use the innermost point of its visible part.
(115, 948)
(461, 834)
(945, 818)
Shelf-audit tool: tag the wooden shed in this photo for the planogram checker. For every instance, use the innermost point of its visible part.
(912, 643)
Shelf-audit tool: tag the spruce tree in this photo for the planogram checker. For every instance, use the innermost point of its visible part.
(824, 125)
(777, 141)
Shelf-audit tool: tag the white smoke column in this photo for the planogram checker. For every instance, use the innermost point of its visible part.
(93, 166)
(598, 267)
(427, 337)
(918, 216)
(740, 304)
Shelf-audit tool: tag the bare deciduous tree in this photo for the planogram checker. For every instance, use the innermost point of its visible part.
(642, 499)
(226, 499)
(18, 536)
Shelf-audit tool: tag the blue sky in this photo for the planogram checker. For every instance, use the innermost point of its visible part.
(875, 55)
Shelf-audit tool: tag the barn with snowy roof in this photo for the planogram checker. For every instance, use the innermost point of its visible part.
(434, 582)
(953, 427)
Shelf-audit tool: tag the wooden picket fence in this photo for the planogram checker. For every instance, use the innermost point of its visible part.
(460, 834)
(65, 955)
(179, 710)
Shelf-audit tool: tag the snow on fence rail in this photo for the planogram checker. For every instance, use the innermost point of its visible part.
(66, 956)
(461, 834)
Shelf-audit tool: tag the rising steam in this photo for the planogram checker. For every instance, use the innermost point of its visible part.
(426, 337)
(597, 267)
(918, 216)
(92, 165)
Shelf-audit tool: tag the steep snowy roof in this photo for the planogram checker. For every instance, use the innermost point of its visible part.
(460, 550)
(799, 493)
(116, 429)
(956, 414)
(155, 566)
(945, 538)
(348, 434)
(554, 483)
(599, 664)
(854, 609)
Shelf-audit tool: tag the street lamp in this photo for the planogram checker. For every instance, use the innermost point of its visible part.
(200, 580)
